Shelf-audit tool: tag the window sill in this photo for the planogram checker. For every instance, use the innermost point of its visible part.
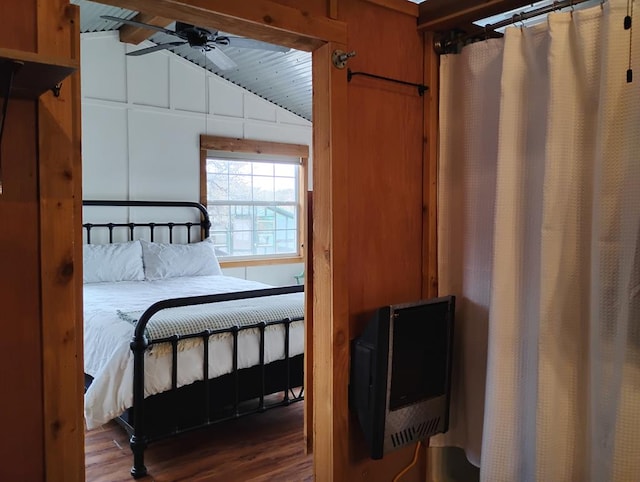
(260, 262)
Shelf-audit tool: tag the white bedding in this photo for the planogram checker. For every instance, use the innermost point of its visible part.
(109, 359)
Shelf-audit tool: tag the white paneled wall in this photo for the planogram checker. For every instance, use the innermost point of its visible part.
(141, 122)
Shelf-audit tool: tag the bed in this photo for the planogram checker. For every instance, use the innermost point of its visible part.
(171, 344)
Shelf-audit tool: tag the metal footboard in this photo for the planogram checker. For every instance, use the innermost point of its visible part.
(140, 343)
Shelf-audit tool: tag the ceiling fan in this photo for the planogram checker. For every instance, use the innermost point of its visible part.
(201, 39)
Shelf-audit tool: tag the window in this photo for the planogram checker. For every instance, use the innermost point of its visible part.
(255, 199)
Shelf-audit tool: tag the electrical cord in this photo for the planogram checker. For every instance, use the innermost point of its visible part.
(7, 93)
(413, 462)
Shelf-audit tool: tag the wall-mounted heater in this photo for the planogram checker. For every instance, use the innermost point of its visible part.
(401, 373)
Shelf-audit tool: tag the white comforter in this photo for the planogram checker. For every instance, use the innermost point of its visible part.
(109, 359)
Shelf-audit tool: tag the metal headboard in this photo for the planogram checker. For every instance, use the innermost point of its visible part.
(204, 224)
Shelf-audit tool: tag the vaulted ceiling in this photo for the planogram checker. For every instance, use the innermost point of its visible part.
(283, 78)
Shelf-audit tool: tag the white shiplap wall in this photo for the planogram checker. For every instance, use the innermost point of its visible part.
(141, 122)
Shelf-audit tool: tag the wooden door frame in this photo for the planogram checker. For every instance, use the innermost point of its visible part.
(328, 301)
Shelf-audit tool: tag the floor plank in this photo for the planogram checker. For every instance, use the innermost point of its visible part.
(257, 448)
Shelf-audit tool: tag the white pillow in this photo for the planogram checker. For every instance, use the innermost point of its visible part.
(162, 260)
(112, 262)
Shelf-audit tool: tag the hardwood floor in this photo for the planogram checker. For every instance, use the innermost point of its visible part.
(262, 447)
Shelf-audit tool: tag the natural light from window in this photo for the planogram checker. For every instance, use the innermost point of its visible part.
(254, 207)
(513, 14)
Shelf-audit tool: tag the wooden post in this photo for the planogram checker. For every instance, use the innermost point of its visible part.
(60, 184)
(330, 300)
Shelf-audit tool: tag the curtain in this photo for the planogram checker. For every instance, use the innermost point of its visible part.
(539, 239)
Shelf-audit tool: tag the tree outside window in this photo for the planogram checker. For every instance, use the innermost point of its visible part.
(254, 207)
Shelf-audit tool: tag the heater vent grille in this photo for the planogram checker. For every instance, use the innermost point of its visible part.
(417, 432)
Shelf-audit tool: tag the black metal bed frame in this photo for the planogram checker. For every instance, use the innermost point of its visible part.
(238, 393)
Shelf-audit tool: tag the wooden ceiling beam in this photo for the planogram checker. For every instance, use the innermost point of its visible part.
(440, 15)
(134, 35)
(263, 20)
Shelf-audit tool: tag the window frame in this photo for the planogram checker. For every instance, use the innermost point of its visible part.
(216, 146)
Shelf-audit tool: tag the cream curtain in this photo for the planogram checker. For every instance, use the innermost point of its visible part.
(539, 237)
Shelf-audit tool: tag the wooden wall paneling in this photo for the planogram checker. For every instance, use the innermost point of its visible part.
(316, 7)
(59, 180)
(332, 9)
(330, 269)
(267, 20)
(22, 34)
(385, 166)
(430, 171)
(402, 6)
(21, 414)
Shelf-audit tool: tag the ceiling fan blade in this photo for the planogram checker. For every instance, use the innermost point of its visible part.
(247, 43)
(155, 48)
(140, 24)
(219, 58)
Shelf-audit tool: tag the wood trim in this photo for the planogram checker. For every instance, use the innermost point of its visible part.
(203, 176)
(402, 6)
(259, 19)
(134, 35)
(333, 9)
(234, 144)
(78, 468)
(430, 171)
(305, 238)
(59, 142)
(40, 58)
(249, 146)
(302, 205)
(260, 262)
(309, 328)
(438, 15)
(330, 265)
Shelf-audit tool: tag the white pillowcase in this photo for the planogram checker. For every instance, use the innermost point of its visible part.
(112, 262)
(162, 260)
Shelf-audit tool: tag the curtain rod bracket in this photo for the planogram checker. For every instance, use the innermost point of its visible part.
(421, 87)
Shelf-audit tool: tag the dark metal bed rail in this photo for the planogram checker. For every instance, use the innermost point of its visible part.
(140, 344)
(204, 224)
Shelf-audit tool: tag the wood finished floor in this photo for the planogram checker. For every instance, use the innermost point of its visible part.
(262, 447)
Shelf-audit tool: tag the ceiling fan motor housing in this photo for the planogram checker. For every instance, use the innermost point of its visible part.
(196, 36)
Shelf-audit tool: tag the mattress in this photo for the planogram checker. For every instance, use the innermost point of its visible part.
(107, 335)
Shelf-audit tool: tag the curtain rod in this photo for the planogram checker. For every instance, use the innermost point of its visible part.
(453, 45)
